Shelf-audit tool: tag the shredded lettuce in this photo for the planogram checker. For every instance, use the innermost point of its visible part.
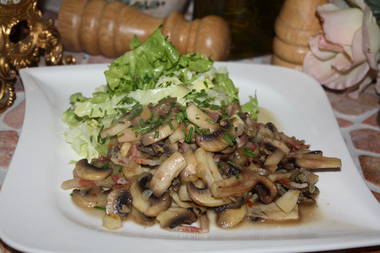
(224, 83)
(151, 71)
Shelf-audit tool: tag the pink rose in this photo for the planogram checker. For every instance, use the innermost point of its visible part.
(347, 53)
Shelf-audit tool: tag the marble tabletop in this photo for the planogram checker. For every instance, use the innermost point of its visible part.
(358, 120)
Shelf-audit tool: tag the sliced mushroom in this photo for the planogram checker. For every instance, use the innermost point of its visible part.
(145, 115)
(115, 129)
(213, 142)
(267, 190)
(278, 144)
(309, 161)
(128, 135)
(238, 126)
(132, 169)
(140, 218)
(176, 216)
(89, 198)
(199, 118)
(273, 160)
(288, 201)
(189, 173)
(272, 212)
(230, 218)
(119, 202)
(207, 168)
(124, 149)
(183, 194)
(160, 133)
(167, 171)
(204, 197)
(112, 221)
(178, 135)
(88, 171)
(179, 202)
(233, 205)
(146, 203)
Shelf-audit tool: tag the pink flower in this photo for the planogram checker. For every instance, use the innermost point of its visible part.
(347, 53)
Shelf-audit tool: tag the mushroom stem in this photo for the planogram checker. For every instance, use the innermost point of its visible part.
(318, 162)
(207, 168)
(167, 171)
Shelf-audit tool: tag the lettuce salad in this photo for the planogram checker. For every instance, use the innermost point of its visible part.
(151, 71)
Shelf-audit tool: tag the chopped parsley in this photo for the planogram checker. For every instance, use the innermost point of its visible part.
(189, 136)
(100, 208)
(247, 152)
(228, 139)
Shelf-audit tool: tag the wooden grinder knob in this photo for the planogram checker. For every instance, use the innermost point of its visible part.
(107, 28)
(295, 25)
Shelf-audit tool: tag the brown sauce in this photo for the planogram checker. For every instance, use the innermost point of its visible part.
(308, 214)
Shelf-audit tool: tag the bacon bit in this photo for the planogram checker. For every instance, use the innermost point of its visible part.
(213, 115)
(122, 180)
(285, 182)
(294, 144)
(115, 178)
(250, 203)
(241, 141)
(187, 229)
(250, 145)
(103, 159)
(86, 183)
(118, 186)
(134, 151)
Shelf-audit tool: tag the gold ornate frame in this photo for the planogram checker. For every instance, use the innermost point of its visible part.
(24, 37)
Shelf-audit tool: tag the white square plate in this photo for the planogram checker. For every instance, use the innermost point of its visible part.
(37, 216)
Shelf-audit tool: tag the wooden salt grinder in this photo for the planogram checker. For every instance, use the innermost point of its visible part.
(107, 28)
(295, 25)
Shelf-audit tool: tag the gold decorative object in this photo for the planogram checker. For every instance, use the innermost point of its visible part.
(24, 38)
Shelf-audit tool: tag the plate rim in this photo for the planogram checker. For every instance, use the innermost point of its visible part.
(27, 73)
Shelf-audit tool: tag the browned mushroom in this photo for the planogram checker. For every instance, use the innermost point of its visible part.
(89, 198)
(119, 202)
(140, 218)
(311, 161)
(267, 190)
(213, 142)
(176, 216)
(204, 197)
(144, 200)
(88, 171)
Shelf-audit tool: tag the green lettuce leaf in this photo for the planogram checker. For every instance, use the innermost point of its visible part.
(251, 107)
(142, 67)
(225, 84)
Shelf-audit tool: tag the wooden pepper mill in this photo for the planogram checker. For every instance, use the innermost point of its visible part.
(295, 25)
(107, 28)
